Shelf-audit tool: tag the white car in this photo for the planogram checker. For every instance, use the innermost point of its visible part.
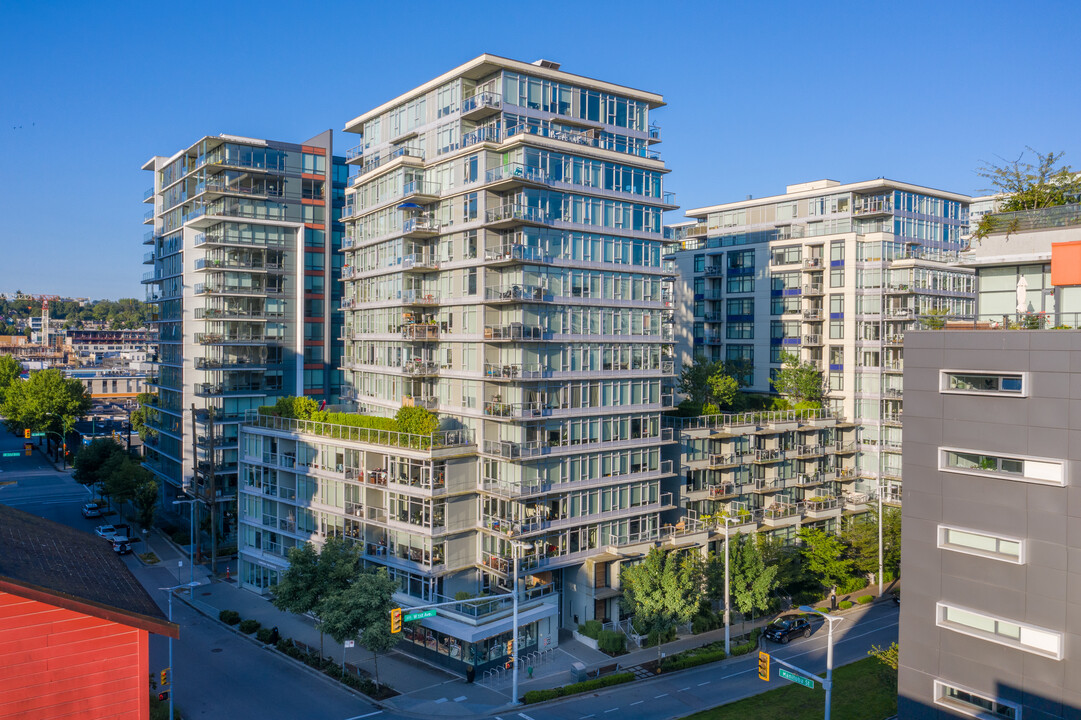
(108, 532)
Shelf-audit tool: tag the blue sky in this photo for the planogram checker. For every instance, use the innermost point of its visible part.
(759, 95)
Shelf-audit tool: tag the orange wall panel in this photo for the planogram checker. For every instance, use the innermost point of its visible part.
(57, 663)
(1066, 263)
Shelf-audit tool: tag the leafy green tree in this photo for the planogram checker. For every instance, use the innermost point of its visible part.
(92, 458)
(824, 557)
(800, 381)
(146, 498)
(1031, 186)
(313, 576)
(10, 369)
(777, 553)
(664, 590)
(43, 400)
(861, 537)
(300, 407)
(139, 415)
(416, 421)
(723, 390)
(362, 608)
(751, 581)
(694, 380)
(121, 476)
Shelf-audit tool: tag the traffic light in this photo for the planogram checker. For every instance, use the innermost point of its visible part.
(510, 649)
(763, 666)
(26, 433)
(396, 620)
(28, 447)
(163, 696)
(164, 677)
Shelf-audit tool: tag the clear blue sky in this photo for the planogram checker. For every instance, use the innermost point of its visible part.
(760, 94)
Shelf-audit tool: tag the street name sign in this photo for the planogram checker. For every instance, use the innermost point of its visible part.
(789, 675)
(420, 615)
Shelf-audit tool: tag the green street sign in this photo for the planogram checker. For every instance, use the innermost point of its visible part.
(37, 434)
(419, 615)
(12, 454)
(789, 675)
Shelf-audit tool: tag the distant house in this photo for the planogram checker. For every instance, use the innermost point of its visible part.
(74, 625)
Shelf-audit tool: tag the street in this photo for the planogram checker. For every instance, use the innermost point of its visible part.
(218, 674)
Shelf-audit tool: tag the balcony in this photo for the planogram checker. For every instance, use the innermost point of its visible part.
(767, 456)
(437, 440)
(781, 514)
(714, 271)
(515, 252)
(812, 339)
(420, 262)
(654, 134)
(231, 339)
(723, 462)
(506, 216)
(420, 191)
(497, 409)
(428, 402)
(514, 175)
(813, 314)
(481, 105)
(420, 368)
(516, 293)
(148, 258)
(822, 507)
(421, 333)
(813, 289)
(218, 390)
(416, 297)
(514, 331)
(420, 227)
(385, 158)
(811, 264)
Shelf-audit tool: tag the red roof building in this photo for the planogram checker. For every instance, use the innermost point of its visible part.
(74, 625)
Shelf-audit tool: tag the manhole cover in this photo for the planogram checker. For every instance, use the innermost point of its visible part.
(216, 650)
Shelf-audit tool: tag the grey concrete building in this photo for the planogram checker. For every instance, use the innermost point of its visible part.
(991, 540)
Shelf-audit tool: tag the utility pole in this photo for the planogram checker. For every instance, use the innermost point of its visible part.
(212, 461)
(195, 473)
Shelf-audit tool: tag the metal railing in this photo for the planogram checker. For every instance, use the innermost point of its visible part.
(439, 439)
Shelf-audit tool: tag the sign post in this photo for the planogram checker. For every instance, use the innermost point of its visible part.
(789, 675)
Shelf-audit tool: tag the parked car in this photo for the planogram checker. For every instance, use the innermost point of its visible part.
(91, 510)
(122, 548)
(784, 629)
(108, 532)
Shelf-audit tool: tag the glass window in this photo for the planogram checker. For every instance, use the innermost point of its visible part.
(699, 263)
(975, 704)
(974, 542)
(837, 277)
(972, 462)
(1029, 638)
(740, 284)
(979, 383)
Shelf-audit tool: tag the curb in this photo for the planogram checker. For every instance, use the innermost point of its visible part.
(269, 648)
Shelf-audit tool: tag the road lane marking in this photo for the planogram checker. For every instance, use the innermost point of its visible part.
(460, 698)
(703, 683)
(358, 717)
(682, 689)
(612, 710)
(525, 716)
(637, 703)
(655, 697)
(741, 672)
(585, 717)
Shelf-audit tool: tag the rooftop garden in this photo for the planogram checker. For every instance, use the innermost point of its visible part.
(412, 427)
(1031, 195)
(717, 387)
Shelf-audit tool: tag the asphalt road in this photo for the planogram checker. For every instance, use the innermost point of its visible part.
(220, 675)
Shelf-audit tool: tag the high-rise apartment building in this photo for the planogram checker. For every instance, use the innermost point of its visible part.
(833, 274)
(991, 531)
(244, 248)
(503, 268)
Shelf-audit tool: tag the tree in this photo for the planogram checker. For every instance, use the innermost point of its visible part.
(92, 458)
(416, 421)
(664, 590)
(121, 476)
(723, 389)
(41, 402)
(861, 537)
(1028, 186)
(801, 381)
(313, 576)
(300, 408)
(751, 581)
(362, 607)
(888, 657)
(10, 369)
(139, 415)
(823, 556)
(146, 498)
(694, 380)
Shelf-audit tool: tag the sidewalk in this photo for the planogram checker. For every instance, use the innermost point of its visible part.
(425, 690)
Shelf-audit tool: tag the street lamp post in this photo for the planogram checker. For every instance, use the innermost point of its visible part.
(172, 675)
(516, 547)
(191, 534)
(727, 593)
(828, 685)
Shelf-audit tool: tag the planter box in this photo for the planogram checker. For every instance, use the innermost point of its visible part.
(587, 641)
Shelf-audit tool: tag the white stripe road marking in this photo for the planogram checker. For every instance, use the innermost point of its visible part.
(460, 698)
(682, 689)
(637, 703)
(703, 683)
(655, 697)
(358, 717)
(585, 717)
(612, 710)
(525, 716)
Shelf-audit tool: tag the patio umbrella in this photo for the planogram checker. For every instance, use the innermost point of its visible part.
(410, 206)
(1022, 295)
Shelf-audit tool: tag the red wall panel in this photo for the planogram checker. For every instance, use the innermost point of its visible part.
(57, 663)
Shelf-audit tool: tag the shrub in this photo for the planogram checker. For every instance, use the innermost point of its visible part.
(181, 537)
(612, 642)
(825, 609)
(845, 604)
(656, 638)
(263, 635)
(864, 599)
(590, 628)
(284, 645)
(851, 585)
(536, 696)
(229, 617)
(747, 647)
(705, 621)
(694, 657)
(462, 595)
(249, 626)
